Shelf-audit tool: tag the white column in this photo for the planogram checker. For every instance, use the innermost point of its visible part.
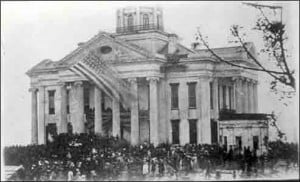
(220, 98)
(134, 117)
(153, 91)
(62, 109)
(138, 16)
(204, 111)
(98, 110)
(41, 122)
(184, 132)
(215, 98)
(245, 96)
(232, 98)
(255, 97)
(233, 95)
(116, 125)
(227, 97)
(121, 19)
(34, 116)
(238, 95)
(77, 108)
(155, 16)
(251, 97)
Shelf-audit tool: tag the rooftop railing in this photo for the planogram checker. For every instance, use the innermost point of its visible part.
(136, 28)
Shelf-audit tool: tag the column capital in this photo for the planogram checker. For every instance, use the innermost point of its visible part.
(41, 87)
(214, 79)
(254, 81)
(61, 84)
(32, 89)
(237, 78)
(78, 83)
(132, 80)
(248, 80)
(152, 79)
(206, 78)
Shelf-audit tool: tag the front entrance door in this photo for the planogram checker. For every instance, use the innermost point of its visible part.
(144, 123)
(51, 131)
(238, 142)
(255, 142)
(175, 131)
(193, 131)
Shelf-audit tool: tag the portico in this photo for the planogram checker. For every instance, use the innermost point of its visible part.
(78, 117)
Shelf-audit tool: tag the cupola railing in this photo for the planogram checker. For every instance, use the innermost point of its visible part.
(136, 28)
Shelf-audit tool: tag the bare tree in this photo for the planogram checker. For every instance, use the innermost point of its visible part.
(274, 38)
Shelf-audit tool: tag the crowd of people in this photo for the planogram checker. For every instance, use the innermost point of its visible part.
(91, 157)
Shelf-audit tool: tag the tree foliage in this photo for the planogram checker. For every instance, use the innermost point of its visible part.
(274, 38)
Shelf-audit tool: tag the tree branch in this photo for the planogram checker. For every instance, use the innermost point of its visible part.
(235, 32)
(230, 63)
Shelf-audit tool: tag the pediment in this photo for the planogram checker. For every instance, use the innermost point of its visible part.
(109, 49)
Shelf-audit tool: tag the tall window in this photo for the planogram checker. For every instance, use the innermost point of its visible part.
(193, 131)
(192, 94)
(174, 95)
(211, 95)
(224, 96)
(175, 131)
(68, 101)
(130, 21)
(51, 94)
(145, 21)
(219, 95)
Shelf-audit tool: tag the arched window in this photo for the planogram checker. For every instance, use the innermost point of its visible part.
(130, 22)
(158, 21)
(145, 21)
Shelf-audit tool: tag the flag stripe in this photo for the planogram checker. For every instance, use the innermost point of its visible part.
(105, 78)
(97, 83)
(120, 87)
(100, 78)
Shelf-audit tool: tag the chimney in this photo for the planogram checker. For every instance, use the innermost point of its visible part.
(172, 45)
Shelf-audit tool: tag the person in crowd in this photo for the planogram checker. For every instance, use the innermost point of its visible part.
(145, 168)
(230, 154)
(208, 170)
(161, 167)
(153, 167)
(234, 174)
(70, 175)
(218, 175)
(97, 158)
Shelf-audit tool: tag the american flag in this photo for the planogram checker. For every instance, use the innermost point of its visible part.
(104, 77)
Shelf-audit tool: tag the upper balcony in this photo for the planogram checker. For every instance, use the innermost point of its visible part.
(137, 28)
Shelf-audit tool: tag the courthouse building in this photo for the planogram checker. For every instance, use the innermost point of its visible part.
(183, 95)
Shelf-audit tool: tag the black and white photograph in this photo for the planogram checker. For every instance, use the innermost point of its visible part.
(149, 90)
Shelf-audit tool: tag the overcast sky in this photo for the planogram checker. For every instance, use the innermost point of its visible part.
(33, 31)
